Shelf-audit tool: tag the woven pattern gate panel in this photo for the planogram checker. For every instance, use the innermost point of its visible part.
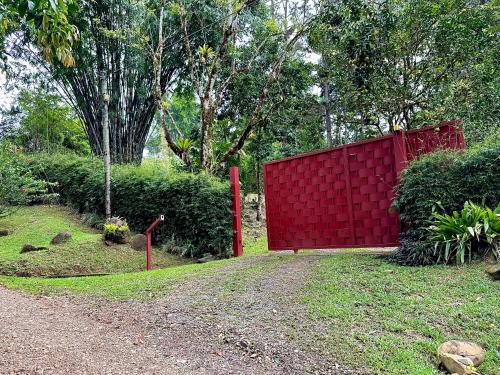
(341, 197)
(443, 136)
(373, 176)
(308, 201)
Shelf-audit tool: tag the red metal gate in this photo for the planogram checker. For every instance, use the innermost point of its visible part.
(341, 197)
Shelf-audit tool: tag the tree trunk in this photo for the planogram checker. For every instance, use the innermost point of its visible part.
(158, 91)
(328, 119)
(132, 103)
(105, 143)
(206, 121)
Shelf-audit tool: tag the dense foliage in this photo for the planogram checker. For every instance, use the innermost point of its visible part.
(41, 121)
(18, 186)
(197, 208)
(45, 23)
(445, 179)
(472, 231)
(409, 63)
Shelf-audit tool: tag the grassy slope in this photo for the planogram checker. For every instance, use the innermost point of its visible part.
(37, 225)
(124, 286)
(139, 285)
(85, 253)
(393, 318)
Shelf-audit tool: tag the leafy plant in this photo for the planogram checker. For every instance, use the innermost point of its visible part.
(467, 232)
(116, 230)
(18, 185)
(113, 228)
(448, 177)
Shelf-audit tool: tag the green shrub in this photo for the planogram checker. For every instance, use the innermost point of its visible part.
(472, 231)
(447, 179)
(18, 186)
(197, 208)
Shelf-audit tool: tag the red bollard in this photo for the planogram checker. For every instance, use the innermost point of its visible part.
(152, 227)
(235, 193)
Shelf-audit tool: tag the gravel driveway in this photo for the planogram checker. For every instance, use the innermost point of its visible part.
(244, 319)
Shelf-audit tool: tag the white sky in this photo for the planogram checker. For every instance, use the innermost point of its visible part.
(6, 98)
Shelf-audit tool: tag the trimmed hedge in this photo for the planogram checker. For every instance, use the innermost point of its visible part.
(197, 208)
(443, 180)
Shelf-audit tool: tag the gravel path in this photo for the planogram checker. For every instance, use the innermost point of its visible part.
(243, 319)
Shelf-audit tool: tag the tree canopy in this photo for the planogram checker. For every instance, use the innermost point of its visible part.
(45, 23)
(240, 81)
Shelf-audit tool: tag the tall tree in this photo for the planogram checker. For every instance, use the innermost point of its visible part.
(248, 41)
(405, 62)
(41, 121)
(119, 38)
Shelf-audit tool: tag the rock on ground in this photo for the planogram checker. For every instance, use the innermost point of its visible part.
(139, 242)
(28, 248)
(60, 238)
(461, 357)
(494, 271)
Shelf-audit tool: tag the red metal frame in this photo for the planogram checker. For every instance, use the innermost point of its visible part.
(150, 230)
(235, 193)
(342, 197)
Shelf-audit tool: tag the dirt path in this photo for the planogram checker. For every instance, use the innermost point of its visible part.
(245, 319)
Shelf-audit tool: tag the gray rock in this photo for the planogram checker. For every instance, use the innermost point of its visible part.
(4, 232)
(29, 248)
(139, 242)
(61, 238)
(494, 271)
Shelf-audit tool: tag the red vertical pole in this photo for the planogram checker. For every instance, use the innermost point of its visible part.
(150, 229)
(235, 192)
(148, 251)
(400, 154)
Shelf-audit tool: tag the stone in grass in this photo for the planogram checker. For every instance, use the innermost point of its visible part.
(29, 248)
(461, 357)
(494, 271)
(116, 237)
(61, 238)
(139, 242)
(207, 257)
(4, 232)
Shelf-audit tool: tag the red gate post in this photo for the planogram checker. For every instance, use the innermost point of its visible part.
(235, 193)
(148, 239)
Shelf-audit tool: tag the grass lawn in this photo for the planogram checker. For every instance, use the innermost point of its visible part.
(123, 286)
(84, 254)
(391, 319)
(133, 285)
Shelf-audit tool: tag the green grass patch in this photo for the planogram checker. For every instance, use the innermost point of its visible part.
(37, 225)
(254, 247)
(258, 246)
(124, 286)
(390, 319)
(84, 254)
